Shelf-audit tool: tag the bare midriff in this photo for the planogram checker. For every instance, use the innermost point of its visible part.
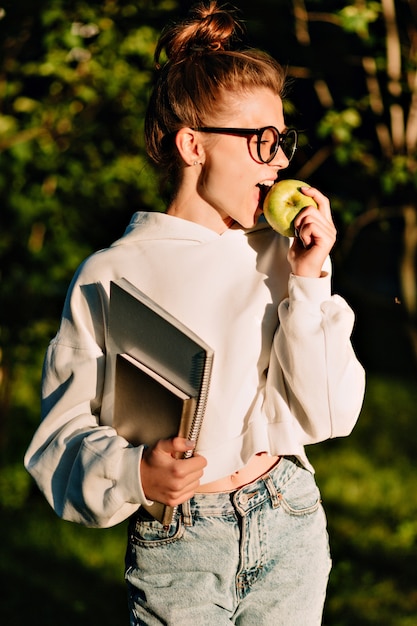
(259, 465)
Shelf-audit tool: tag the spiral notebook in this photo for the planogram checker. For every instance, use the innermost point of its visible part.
(162, 374)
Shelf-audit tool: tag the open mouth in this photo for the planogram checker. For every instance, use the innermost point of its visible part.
(264, 187)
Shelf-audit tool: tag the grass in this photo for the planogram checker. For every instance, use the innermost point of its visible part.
(368, 484)
(58, 574)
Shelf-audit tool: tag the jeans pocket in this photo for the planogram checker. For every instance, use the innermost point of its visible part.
(300, 495)
(145, 531)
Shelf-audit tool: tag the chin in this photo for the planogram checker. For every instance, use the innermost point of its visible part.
(249, 220)
(246, 224)
(256, 217)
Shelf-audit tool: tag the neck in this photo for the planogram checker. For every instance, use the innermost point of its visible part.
(191, 206)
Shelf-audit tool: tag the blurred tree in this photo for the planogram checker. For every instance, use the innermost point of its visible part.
(373, 129)
(74, 78)
(354, 66)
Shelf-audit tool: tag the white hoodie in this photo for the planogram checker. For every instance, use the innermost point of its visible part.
(284, 372)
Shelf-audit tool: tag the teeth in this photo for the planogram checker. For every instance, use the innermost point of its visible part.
(266, 183)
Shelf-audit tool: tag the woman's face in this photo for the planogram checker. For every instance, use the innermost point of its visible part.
(231, 173)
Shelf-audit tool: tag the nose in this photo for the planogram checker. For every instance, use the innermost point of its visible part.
(280, 161)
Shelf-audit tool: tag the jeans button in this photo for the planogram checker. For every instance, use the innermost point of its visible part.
(244, 498)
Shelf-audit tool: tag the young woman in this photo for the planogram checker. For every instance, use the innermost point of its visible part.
(249, 542)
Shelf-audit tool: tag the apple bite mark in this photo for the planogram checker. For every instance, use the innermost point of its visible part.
(264, 188)
(262, 195)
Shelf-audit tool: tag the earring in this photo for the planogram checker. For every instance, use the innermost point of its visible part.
(196, 163)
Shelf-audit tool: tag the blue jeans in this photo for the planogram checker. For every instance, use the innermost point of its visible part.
(257, 556)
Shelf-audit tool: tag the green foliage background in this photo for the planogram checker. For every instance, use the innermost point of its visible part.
(74, 81)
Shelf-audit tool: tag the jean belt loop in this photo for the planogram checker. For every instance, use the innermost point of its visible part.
(186, 513)
(272, 490)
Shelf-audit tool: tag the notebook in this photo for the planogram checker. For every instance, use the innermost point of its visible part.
(162, 374)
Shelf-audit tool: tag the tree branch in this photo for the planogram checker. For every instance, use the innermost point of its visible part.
(301, 22)
(394, 72)
(22, 137)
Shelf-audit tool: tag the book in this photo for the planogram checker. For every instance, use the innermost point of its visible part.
(141, 391)
(162, 374)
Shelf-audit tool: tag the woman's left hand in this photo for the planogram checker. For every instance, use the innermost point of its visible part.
(316, 235)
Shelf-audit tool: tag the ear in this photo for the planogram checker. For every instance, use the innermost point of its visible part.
(189, 146)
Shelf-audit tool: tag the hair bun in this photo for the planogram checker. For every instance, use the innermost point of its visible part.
(207, 28)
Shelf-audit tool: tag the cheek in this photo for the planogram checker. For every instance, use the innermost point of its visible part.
(212, 188)
(225, 181)
(217, 176)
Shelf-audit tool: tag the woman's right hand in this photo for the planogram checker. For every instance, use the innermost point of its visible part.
(166, 476)
(316, 236)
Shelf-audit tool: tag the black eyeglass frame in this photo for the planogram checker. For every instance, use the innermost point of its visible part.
(247, 132)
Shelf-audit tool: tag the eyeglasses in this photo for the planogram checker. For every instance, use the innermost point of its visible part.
(268, 140)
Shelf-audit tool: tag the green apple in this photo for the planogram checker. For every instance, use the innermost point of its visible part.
(283, 203)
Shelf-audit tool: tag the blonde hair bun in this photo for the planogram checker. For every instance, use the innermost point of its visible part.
(209, 27)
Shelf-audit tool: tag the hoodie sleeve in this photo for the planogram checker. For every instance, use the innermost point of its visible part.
(313, 365)
(86, 471)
